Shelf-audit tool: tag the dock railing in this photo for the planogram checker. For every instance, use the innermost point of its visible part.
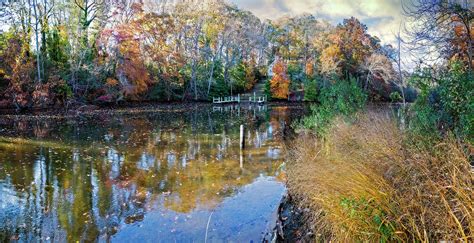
(257, 99)
(238, 99)
(227, 99)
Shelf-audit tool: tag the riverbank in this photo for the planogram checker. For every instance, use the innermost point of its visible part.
(369, 180)
(129, 107)
(292, 223)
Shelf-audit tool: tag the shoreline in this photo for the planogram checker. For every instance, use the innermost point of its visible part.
(292, 224)
(66, 112)
(90, 109)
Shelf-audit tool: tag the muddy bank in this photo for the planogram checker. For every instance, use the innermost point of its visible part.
(292, 223)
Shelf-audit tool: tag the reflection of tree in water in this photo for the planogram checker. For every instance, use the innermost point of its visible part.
(97, 177)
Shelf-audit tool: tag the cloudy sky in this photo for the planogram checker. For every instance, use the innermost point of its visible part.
(381, 16)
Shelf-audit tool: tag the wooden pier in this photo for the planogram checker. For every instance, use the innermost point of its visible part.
(228, 99)
(258, 99)
(240, 99)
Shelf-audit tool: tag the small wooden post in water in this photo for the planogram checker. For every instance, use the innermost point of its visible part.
(242, 145)
(242, 137)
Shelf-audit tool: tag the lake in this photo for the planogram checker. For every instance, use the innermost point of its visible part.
(169, 174)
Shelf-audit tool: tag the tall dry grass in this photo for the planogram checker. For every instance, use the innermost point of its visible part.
(366, 182)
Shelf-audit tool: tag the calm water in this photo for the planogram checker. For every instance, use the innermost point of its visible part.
(154, 175)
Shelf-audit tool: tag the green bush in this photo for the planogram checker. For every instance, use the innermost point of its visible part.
(424, 120)
(456, 90)
(64, 91)
(238, 78)
(360, 209)
(297, 76)
(343, 97)
(219, 87)
(444, 106)
(311, 90)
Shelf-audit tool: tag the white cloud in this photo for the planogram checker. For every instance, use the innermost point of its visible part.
(381, 16)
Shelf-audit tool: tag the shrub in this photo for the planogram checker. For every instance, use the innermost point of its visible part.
(219, 88)
(311, 89)
(424, 120)
(456, 90)
(366, 182)
(444, 105)
(238, 77)
(342, 97)
(297, 76)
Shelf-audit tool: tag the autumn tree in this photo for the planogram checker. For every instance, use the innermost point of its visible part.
(279, 84)
(16, 69)
(163, 56)
(331, 59)
(251, 74)
(349, 46)
(127, 59)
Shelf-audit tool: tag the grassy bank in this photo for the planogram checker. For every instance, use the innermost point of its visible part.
(367, 180)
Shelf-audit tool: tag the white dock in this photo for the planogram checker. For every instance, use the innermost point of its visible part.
(239, 99)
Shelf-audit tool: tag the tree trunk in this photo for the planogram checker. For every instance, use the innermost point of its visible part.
(469, 48)
(44, 27)
(195, 56)
(366, 86)
(211, 75)
(193, 79)
(38, 52)
(399, 64)
(85, 24)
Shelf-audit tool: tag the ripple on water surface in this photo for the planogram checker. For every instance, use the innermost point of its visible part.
(245, 217)
(152, 176)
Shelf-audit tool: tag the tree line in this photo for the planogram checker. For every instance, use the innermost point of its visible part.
(67, 52)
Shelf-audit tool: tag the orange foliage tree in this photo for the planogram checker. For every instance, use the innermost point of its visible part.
(280, 83)
(122, 47)
(309, 68)
(17, 68)
(460, 48)
(125, 54)
(131, 68)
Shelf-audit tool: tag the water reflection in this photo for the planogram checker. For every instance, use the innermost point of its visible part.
(96, 178)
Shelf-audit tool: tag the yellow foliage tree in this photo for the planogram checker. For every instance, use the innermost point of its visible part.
(331, 58)
(280, 84)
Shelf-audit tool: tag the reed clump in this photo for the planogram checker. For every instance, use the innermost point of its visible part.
(365, 181)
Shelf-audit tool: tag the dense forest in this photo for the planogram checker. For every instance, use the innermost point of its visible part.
(98, 51)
